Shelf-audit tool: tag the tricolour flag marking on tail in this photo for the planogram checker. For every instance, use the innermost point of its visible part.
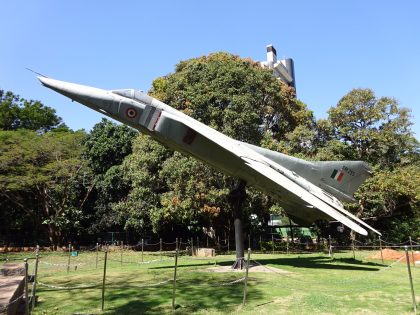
(337, 175)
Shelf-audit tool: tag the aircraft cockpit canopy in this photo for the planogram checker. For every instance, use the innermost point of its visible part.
(134, 94)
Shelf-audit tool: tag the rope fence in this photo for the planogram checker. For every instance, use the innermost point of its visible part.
(131, 255)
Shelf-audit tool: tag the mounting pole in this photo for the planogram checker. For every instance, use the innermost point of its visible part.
(246, 276)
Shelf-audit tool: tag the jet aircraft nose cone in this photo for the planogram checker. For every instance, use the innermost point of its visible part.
(94, 98)
(61, 87)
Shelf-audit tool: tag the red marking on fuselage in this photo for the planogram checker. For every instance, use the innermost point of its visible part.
(189, 136)
(157, 119)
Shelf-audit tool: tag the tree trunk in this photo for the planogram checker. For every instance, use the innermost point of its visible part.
(236, 200)
(52, 229)
(52, 236)
(358, 214)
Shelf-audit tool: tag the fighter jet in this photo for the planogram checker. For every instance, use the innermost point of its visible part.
(308, 191)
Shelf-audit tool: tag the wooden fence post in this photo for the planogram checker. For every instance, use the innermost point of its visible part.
(412, 253)
(329, 246)
(192, 246)
(380, 248)
(272, 244)
(142, 246)
(103, 280)
(413, 296)
(174, 286)
(160, 249)
(97, 253)
(26, 287)
(68, 262)
(35, 280)
(122, 249)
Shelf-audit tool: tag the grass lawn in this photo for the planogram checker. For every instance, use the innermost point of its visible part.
(303, 284)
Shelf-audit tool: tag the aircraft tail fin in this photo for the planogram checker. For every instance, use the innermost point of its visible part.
(339, 178)
(342, 178)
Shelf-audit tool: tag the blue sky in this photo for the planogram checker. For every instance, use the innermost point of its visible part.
(336, 45)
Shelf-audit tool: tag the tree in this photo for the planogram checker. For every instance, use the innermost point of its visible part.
(233, 95)
(18, 113)
(107, 145)
(139, 212)
(105, 148)
(376, 130)
(42, 176)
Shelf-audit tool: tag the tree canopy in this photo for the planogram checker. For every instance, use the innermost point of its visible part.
(236, 97)
(377, 130)
(59, 184)
(18, 113)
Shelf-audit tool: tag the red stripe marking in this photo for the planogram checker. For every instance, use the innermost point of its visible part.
(189, 136)
(340, 177)
(157, 119)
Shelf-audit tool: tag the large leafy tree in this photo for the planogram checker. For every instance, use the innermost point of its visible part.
(18, 113)
(107, 145)
(43, 178)
(233, 95)
(29, 156)
(105, 148)
(377, 130)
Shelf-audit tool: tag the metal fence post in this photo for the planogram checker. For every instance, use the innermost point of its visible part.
(287, 244)
(380, 248)
(97, 253)
(352, 246)
(198, 242)
(228, 244)
(207, 241)
(412, 253)
(176, 244)
(160, 248)
(192, 247)
(413, 296)
(142, 247)
(329, 246)
(35, 280)
(272, 244)
(122, 249)
(103, 280)
(26, 288)
(68, 262)
(249, 240)
(180, 244)
(246, 276)
(174, 286)
(260, 243)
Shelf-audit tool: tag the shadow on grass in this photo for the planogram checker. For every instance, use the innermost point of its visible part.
(191, 296)
(183, 266)
(319, 262)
